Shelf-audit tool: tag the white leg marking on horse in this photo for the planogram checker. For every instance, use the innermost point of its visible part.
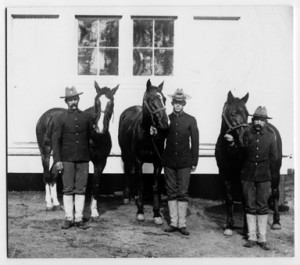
(54, 195)
(48, 196)
(94, 212)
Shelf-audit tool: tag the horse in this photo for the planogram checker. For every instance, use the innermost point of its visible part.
(100, 145)
(235, 121)
(139, 147)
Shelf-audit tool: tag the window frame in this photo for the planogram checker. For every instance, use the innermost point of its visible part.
(153, 48)
(98, 47)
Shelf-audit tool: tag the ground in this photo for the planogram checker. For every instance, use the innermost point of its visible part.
(35, 233)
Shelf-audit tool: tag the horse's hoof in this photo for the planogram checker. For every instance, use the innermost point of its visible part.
(228, 232)
(126, 201)
(49, 208)
(276, 226)
(95, 219)
(158, 220)
(140, 217)
(57, 208)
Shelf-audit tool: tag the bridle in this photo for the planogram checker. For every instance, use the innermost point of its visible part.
(232, 127)
(152, 112)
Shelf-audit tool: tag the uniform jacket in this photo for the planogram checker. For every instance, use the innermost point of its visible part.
(182, 142)
(72, 132)
(261, 156)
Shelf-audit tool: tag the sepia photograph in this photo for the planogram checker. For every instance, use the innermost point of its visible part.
(149, 129)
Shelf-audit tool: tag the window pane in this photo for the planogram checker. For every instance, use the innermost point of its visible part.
(163, 62)
(108, 60)
(87, 63)
(142, 33)
(109, 33)
(164, 33)
(87, 32)
(142, 62)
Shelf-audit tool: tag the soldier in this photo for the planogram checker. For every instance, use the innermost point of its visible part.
(72, 132)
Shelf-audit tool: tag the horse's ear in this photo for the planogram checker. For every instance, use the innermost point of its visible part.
(245, 98)
(149, 85)
(114, 90)
(97, 87)
(160, 87)
(230, 97)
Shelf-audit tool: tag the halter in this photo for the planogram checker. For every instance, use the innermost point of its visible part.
(232, 128)
(154, 111)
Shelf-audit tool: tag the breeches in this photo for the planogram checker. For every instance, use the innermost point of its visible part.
(75, 177)
(256, 196)
(177, 183)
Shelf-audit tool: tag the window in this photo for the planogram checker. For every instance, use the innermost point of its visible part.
(153, 46)
(98, 45)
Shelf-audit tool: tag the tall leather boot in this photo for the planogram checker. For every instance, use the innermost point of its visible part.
(69, 211)
(173, 211)
(252, 238)
(182, 210)
(79, 206)
(262, 222)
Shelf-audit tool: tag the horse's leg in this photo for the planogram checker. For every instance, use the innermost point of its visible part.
(96, 177)
(128, 178)
(47, 181)
(139, 200)
(156, 194)
(53, 191)
(275, 197)
(229, 205)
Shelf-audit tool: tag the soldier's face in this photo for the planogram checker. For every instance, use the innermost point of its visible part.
(72, 103)
(258, 124)
(178, 105)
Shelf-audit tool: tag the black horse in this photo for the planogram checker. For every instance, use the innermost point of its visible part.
(235, 122)
(139, 147)
(100, 146)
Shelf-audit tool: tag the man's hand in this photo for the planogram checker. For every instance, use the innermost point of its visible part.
(153, 131)
(59, 166)
(193, 168)
(229, 138)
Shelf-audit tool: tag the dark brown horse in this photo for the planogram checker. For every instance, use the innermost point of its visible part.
(235, 122)
(100, 146)
(139, 147)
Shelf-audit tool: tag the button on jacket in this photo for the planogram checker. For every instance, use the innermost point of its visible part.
(72, 132)
(182, 142)
(261, 156)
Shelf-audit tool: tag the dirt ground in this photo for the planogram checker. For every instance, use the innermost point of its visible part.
(35, 233)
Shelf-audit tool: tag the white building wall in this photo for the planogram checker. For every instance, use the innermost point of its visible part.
(253, 54)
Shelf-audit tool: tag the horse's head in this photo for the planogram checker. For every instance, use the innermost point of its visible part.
(104, 107)
(154, 106)
(235, 118)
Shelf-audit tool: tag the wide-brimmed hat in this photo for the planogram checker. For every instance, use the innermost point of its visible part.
(71, 92)
(261, 112)
(179, 95)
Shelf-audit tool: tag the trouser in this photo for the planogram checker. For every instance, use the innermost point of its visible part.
(256, 195)
(177, 183)
(75, 177)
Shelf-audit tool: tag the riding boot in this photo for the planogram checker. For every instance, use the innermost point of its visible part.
(69, 214)
(262, 222)
(182, 210)
(173, 211)
(79, 206)
(252, 238)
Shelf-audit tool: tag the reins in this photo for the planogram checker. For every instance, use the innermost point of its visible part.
(152, 119)
(231, 127)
